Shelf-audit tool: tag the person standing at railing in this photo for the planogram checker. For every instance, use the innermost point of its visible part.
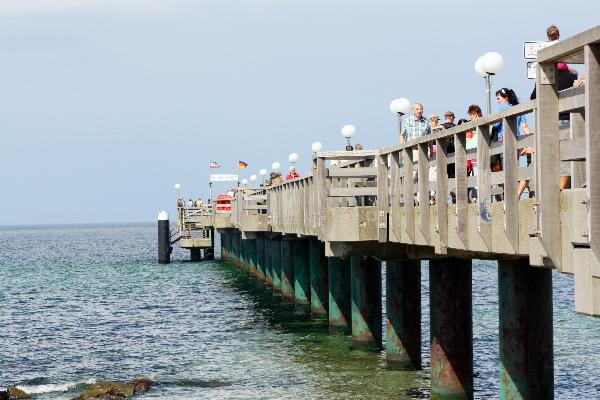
(190, 203)
(292, 174)
(414, 127)
(474, 112)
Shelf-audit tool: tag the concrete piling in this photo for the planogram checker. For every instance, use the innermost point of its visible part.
(164, 238)
(451, 313)
(526, 344)
(251, 256)
(195, 254)
(403, 314)
(276, 265)
(268, 262)
(319, 302)
(287, 271)
(366, 303)
(243, 258)
(260, 258)
(339, 294)
(301, 260)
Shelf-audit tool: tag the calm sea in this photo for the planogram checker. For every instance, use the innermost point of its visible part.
(85, 303)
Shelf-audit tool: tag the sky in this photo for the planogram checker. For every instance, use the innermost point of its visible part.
(106, 104)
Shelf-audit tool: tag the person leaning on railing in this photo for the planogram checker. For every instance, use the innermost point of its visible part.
(474, 112)
(414, 127)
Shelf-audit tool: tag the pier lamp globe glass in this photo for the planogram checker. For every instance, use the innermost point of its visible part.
(177, 186)
(479, 67)
(293, 157)
(492, 62)
(253, 178)
(317, 146)
(244, 181)
(348, 131)
(400, 106)
(275, 166)
(263, 172)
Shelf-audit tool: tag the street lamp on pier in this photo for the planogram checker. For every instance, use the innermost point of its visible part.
(348, 131)
(399, 107)
(486, 66)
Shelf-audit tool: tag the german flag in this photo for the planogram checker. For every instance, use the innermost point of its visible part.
(242, 164)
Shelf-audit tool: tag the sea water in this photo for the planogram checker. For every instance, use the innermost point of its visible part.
(86, 303)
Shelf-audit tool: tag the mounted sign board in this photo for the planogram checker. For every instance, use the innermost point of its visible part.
(224, 178)
(531, 48)
(531, 67)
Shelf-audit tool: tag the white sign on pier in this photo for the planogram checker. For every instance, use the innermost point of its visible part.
(224, 178)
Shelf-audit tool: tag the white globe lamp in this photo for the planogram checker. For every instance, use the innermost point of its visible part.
(262, 172)
(244, 181)
(253, 178)
(348, 131)
(276, 166)
(293, 157)
(400, 106)
(479, 67)
(316, 147)
(492, 62)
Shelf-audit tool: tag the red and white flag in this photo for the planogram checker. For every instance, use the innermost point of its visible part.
(214, 164)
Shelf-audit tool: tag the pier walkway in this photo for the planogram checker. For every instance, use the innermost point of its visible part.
(319, 240)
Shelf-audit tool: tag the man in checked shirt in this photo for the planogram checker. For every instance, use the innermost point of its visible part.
(415, 126)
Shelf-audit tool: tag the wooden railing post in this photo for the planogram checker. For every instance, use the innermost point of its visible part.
(462, 188)
(423, 168)
(382, 197)
(511, 184)
(441, 162)
(592, 135)
(409, 194)
(484, 175)
(321, 190)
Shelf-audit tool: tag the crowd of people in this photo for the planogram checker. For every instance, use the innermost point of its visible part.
(191, 203)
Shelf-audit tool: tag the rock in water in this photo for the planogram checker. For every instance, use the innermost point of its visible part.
(141, 385)
(107, 389)
(15, 393)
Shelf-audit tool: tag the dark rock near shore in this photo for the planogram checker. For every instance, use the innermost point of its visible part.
(14, 393)
(111, 390)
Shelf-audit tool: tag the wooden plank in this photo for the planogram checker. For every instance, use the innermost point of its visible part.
(382, 197)
(573, 149)
(577, 130)
(394, 213)
(511, 184)
(409, 194)
(572, 99)
(352, 192)
(423, 168)
(484, 186)
(592, 134)
(461, 188)
(348, 155)
(442, 195)
(364, 172)
(547, 167)
(321, 190)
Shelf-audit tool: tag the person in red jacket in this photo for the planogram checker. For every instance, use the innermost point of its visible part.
(293, 174)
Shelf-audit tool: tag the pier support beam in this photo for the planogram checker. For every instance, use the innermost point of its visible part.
(287, 271)
(276, 265)
(451, 339)
(403, 312)
(268, 261)
(301, 257)
(526, 344)
(242, 260)
(224, 246)
(195, 254)
(339, 294)
(366, 303)
(318, 280)
(251, 256)
(260, 258)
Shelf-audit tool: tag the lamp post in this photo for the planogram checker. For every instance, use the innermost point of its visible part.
(348, 131)
(178, 188)
(263, 173)
(316, 147)
(486, 66)
(245, 182)
(399, 107)
(253, 178)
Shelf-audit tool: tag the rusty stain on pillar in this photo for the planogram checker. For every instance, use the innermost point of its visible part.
(260, 258)
(276, 265)
(287, 271)
(301, 257)
(403, 314)
(319, 301)
(450, 294)
(366, 303)
(526, 343)
(339, 294)
(268, 261)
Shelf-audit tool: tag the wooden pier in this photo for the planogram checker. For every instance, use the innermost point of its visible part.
(319, 240)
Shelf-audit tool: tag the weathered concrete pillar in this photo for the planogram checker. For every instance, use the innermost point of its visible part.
(319, 302)
(366, 303)
(164, 238)
(276, 265)
(268, 261)
(403, 313)
(526, 343)
(251, 256)
(451, 324)
(243, 256)
(224, 245)
(339, 294)
(209, 254)
(287, 271)
(301, 256)
(195, 254)
(260, 258)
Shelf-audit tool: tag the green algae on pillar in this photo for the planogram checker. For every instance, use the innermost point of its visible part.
(251, 255)
(403, 314)
(276, 265)
(339, 294)
(268, 262)
(260, 258)
(526, 343)
(366, 303)
(451, 313)
(287, 271)
(300, 251)
(319, 302)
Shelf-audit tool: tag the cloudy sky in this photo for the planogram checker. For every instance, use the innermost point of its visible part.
(106, 104)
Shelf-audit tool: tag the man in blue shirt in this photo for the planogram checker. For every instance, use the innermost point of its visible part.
(415, 125)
